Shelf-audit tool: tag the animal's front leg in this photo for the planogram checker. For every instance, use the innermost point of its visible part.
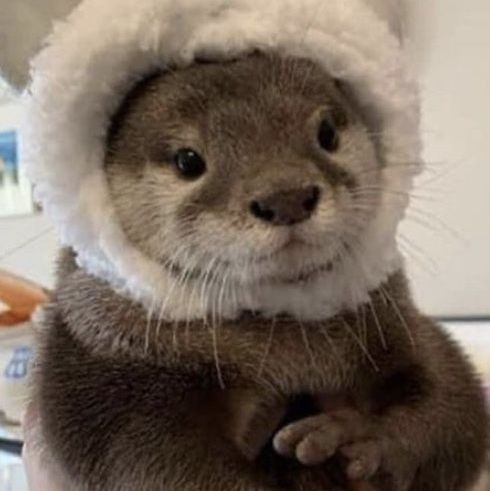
(315, 439)
(422, 428)
(344, 433)
(252, 419)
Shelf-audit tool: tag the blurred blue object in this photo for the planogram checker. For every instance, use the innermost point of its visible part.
(8, 149)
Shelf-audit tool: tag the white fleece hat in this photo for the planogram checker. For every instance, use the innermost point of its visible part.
(92, 60)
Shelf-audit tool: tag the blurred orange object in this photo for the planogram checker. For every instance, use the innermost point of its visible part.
(20, 297)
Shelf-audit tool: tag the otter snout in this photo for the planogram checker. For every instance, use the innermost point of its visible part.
(286, 207)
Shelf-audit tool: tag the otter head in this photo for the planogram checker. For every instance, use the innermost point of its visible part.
(248, 182)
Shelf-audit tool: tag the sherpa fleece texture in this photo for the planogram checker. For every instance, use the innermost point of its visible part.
(93, 59)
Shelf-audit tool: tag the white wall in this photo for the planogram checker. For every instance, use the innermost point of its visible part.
(456, 91)
(31, 245)
(9, 114)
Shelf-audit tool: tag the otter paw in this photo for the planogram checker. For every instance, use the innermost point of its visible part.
(315, 439)
(363, 459)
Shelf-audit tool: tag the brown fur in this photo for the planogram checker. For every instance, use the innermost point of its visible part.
(120, 415)
(128, 402)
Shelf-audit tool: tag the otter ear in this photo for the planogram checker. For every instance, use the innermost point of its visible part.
(23, 25)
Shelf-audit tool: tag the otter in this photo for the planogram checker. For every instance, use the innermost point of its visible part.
(249, 181)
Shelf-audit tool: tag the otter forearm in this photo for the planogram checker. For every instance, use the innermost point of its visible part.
(114, 424)
(440, 431)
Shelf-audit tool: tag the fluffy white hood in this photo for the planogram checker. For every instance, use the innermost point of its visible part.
(92, 60)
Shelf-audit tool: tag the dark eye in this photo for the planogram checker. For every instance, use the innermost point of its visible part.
(189, 163)
(328, 137)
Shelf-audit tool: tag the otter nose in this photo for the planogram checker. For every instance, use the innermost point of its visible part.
(287, 207)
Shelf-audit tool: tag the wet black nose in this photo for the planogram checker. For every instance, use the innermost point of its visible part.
(287, 207)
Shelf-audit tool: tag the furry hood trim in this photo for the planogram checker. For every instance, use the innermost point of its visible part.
(92, 60)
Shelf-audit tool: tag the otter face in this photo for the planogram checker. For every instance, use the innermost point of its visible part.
(252, 171)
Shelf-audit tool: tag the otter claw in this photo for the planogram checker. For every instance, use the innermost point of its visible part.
(312, 440)
(364, 459)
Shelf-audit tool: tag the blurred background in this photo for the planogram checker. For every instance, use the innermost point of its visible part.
(445, 237)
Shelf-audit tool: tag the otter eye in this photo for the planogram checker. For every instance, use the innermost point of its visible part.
(328, 137)
(189, 163)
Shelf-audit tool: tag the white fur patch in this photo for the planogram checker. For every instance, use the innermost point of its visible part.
(93, 59)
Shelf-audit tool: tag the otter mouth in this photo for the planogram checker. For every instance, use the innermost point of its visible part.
(307, 275)
(290, 246)
(280, 256)
(301, 277)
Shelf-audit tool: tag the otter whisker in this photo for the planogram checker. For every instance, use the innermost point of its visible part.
(191, 301)
(208, 283)
(169, 292)
(363, 328)
(219, 374)
(427, 216)
(374, 190)
(377, 322)
(206, 286)
(148, 325)
(306, 342)
(222, 293)
(331, 343)
(418, 255)
(399, 314)
(214, 330)
(268, 346)
(197, 284)
(187, 296)
(216, 286)
(182, 282)
(363, 348)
